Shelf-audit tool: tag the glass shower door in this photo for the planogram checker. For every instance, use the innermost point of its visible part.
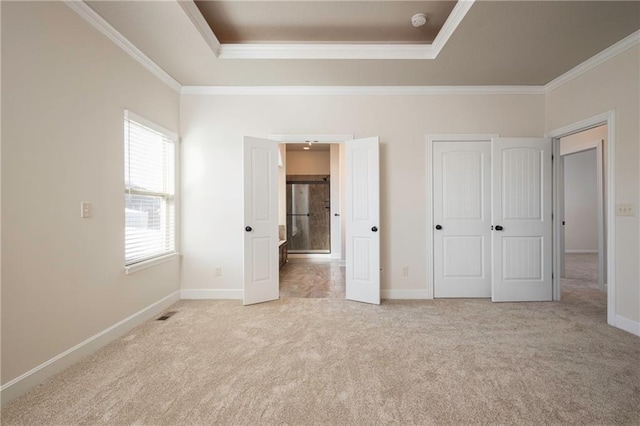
(308, 215)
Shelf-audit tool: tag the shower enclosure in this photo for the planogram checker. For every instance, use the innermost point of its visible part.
(308, 214)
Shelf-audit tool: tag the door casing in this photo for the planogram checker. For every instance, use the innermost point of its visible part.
(608, 118)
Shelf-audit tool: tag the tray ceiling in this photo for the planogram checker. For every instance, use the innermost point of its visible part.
(386, 22)
(496, 43)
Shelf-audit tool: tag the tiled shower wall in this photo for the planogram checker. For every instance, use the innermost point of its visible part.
(309, 233)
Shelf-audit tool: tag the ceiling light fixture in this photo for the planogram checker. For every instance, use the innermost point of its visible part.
(419, 19)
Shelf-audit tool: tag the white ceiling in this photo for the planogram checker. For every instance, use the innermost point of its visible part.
(496, 43)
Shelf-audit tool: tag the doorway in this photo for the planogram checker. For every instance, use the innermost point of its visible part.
(312, 199)
(358, 222)
(609, 211)
(308, 198)
(581, 207)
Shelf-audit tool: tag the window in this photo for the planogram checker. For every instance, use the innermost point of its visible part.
(149, 175)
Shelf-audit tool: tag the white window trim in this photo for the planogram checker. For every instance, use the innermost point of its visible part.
(145, 264)
(150, 263)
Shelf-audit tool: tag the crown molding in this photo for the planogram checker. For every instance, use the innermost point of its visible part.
(327, 51)
(92, 17)
(194, 14)
(362, 90)
(451, 24)
(617, 48)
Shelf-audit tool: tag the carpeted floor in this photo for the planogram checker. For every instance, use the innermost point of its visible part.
(327, 361)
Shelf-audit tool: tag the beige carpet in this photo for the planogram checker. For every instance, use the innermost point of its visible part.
(327, 361)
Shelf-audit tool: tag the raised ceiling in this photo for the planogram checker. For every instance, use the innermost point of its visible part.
(496, 43)
(386, 22)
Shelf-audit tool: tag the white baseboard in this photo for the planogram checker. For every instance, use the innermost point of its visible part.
(212, 294)
(569, 251)
(42, 372)
(309, 255)
(404, 294)
(628, 325)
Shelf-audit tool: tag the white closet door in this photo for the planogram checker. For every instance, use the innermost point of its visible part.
(521, 239)
(261, 274)
(462, 219)
(362, 237)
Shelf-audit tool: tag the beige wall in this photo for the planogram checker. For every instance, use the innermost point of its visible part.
(308, 163)
(613, 85)
(212, 182)
(64, 89)
(581, 202)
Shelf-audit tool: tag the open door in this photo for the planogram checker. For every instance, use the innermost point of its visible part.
(261, 275)
(522, 228)
(363, 220)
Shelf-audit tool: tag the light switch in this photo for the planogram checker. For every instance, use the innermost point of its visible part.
(85, 210)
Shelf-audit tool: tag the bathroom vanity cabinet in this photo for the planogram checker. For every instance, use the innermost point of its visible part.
(283, 252)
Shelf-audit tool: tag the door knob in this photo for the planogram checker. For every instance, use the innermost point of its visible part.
(438, 227)
(499, 228)
(248, 228)
(374, 229)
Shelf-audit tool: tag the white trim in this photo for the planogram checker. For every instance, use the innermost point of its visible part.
(582, 147)
(621, 46)
(430, 139)
(130, 115)
(213, 294)
(300, 138)
(326, 51)
(325, 256)
(580, 251)
(42, 372)
(608, 118)
(89, 15)
(150, 263)
(451, 24)
(361, 90)
(628, 325)
(193, 13)
(405, 294)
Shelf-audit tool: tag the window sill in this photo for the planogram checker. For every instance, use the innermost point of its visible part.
(150, 263)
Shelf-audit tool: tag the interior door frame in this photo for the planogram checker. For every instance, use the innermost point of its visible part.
(330, 139)
(431, 139)
(597, 145)
(608, 118)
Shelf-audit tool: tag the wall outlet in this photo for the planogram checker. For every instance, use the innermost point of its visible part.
(217, 271)
(405, 271)
(626, 209)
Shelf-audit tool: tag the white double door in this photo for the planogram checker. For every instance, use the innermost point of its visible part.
(492, 219)
(261, 272)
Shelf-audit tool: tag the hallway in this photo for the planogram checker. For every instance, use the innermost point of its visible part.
(312, 278)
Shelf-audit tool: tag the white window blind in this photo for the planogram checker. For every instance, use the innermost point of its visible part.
(149, 158)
